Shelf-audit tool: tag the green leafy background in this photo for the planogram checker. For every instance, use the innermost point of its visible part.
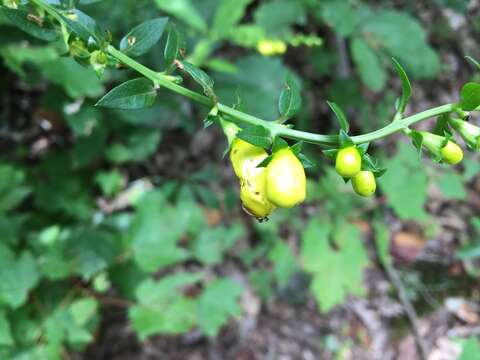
(138, 206)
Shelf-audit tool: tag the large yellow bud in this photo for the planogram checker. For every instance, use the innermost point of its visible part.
(286, 181)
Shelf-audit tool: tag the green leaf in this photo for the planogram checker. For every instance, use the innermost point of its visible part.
(471, 349)
(210, 244)
(276, 16)
(131, 95)
(259, 80)
(256, 135)
(406, 87)
(344, 140)
(110, 182)
(473, 61)
(142, 37)
(200, 77)
(338, 14)
(157, 227)
(174, 45)
(306, 162)
(77, 80)
(407, 198)
(290, 101)
(83, 25)
(83, 310)
(297, 147)
(469, 252)
(17, 277)
(184, 10)
(279, 144)
(403, 37)
(13, 189)
(216, 304)
(6, 338)
(470, 96)
(140, 144)
(340, 115)
(336, 274)
(265, 162)
(368, 64)
(161, 308)
(227, 15)
(452, 187)
(26, 22)
(382, 243)
(90, 250)
(284, 262)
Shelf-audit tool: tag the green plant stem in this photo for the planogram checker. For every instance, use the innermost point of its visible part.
(275, 128)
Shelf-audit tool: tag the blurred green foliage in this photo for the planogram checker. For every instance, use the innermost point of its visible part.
(88, 217)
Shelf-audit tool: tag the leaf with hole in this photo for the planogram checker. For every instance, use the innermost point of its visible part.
(27, 22)
(83, 25)
(290, 101)
(174, 45)
(142, 37)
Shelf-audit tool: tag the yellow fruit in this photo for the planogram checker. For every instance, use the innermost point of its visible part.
(286, 182)
(280, 47)
(364, 183)
(245, 157)
(253, 195)
(452, 154)
(266, 47)
(348, 162)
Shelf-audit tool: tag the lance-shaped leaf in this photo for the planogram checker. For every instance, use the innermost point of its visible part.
(344, 140)
(131, 95)
(175, 43)
(340, 115)
(290, 101)
(31, 24)
(256, 135)
(279, 144)
(406, 87)
(470, 96)
(142, 37)
(200, 77)
(82, 25)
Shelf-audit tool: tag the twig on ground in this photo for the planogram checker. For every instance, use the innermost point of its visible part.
(380, 348)
(409, 310)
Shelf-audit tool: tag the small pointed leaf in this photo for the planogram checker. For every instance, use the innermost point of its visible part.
(200, 77)
(256, 135)
(131, 95)
(406, 87)
(473, 61)
(342, 119)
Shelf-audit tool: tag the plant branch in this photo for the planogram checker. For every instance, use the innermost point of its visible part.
(241, 118)
(276, 128)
